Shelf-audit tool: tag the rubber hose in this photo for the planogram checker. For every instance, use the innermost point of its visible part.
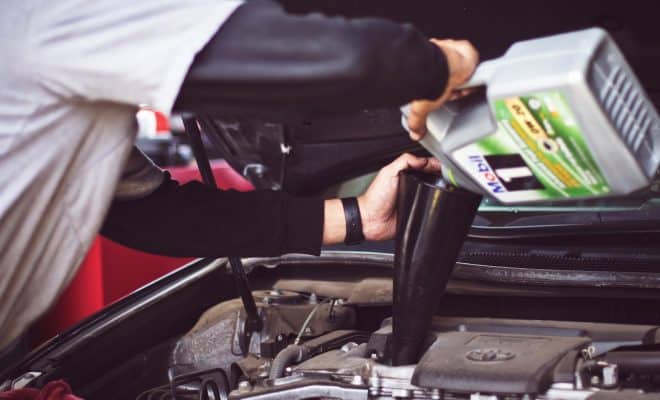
(635, 361)
(289, 355)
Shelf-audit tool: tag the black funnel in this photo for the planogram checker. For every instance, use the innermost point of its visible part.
(433, 219)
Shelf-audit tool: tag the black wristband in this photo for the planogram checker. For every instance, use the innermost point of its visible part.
(354, 234)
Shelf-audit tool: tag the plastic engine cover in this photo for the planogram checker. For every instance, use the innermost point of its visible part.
(493, 362)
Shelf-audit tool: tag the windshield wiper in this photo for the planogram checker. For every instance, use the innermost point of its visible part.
(507, 224)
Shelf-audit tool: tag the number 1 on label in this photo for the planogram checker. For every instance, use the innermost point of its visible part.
(507, 174)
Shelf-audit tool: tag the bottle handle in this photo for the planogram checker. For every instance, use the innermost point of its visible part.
(481, 75)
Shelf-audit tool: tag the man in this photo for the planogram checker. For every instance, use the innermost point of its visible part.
(73, 74)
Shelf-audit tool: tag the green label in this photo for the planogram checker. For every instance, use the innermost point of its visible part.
(537, 153)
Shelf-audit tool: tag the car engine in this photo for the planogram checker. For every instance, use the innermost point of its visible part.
(309, 347)
(304, 340)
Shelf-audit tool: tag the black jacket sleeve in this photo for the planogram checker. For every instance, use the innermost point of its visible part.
(264, 56)
(195, 220)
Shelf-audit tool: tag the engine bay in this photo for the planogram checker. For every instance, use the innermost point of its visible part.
(310, 347)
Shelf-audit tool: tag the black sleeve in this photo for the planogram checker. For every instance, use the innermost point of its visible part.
(195, 220)
(264, 56)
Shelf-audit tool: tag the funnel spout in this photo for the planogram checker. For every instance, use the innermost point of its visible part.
(433, 219)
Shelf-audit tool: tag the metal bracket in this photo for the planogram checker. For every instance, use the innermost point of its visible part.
(253, 321)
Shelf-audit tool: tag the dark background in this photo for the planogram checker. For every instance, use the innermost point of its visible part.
(492, 26)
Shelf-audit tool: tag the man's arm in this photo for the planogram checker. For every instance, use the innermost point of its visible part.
(264, 56)
(195, 220)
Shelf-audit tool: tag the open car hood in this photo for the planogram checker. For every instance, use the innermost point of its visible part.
(186, 321)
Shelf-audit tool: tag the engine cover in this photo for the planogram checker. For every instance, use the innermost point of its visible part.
(493, 362)
(474, 355)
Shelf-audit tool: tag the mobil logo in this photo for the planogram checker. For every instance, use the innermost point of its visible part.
(486, 173)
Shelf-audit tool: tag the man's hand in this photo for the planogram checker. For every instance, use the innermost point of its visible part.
(462, 59)
(377, 204)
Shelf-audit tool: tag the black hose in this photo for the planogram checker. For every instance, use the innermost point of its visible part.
(640, 362)
(299, 353)
(289, 355)
(635, 361)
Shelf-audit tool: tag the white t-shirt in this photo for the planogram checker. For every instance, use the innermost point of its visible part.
(72, 74)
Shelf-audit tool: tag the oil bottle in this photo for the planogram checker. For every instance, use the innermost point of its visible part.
(557, 118)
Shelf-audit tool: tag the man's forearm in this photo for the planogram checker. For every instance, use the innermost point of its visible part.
(263, 56)
(194, 220)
